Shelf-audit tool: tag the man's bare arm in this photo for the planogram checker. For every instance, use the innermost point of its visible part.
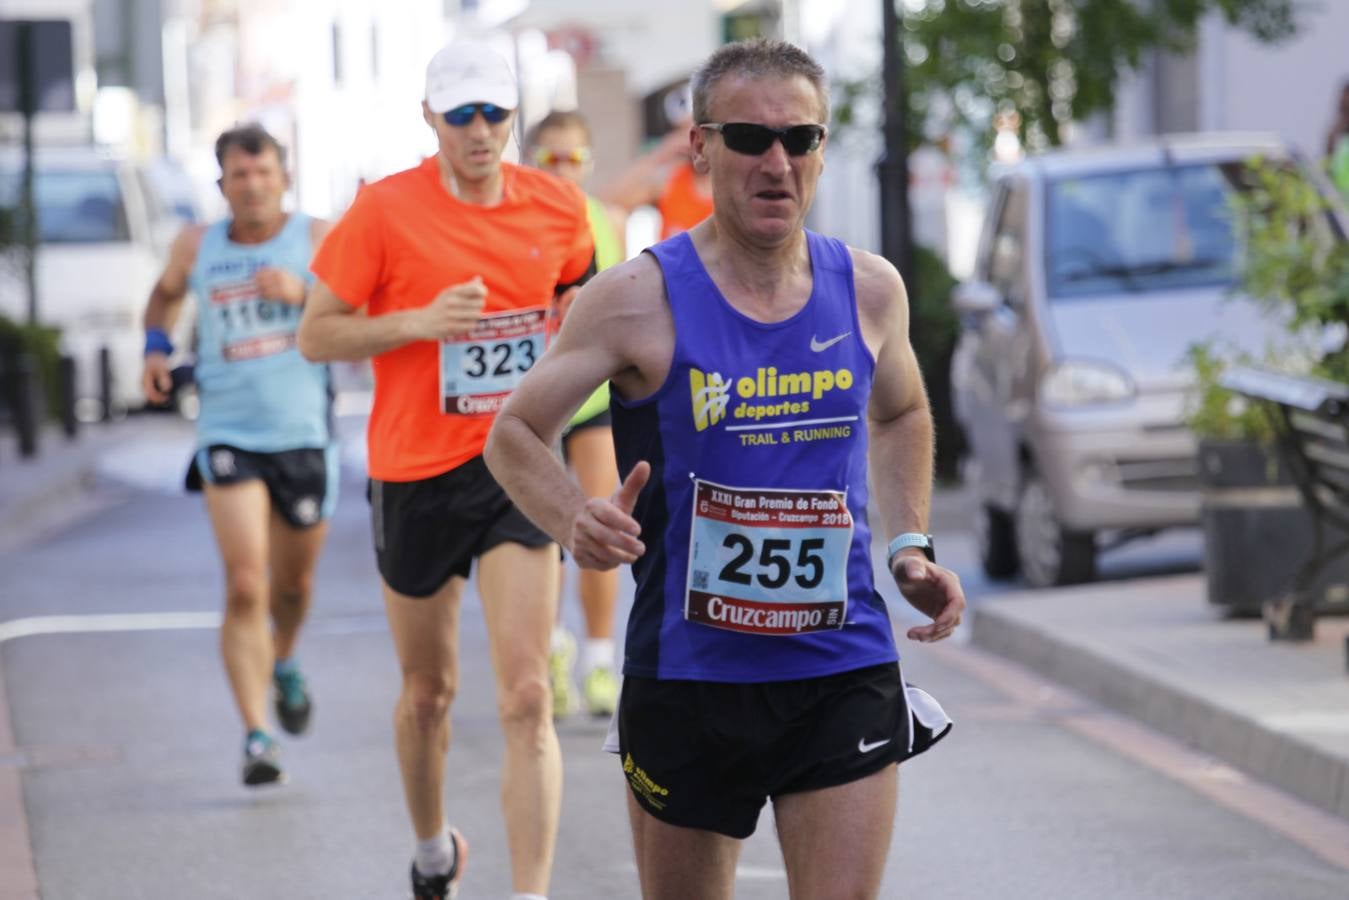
(642, 182)
(163, 308)
(899, 419)
(284, 285)
(166, 297)
(900, 425)
(595, 345)
(331, 328)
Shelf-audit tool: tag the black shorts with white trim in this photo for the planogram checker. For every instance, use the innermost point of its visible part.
(708, 755)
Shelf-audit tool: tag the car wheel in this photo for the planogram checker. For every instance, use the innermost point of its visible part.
(1050, 554)
(995, 533)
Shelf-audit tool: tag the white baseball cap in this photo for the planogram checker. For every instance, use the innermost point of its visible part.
(466, 72)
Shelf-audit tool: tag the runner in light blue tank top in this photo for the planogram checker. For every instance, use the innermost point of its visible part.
(266, 461)
(257, 392)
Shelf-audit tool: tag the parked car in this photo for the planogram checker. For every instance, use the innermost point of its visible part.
(103, 235)
(1096, 271)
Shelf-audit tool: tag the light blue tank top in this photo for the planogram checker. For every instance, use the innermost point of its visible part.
(257, 392)
(758, 564)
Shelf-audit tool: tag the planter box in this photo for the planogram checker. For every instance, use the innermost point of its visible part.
(1257, 535)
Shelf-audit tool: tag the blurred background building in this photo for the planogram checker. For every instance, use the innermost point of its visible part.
(339, 82)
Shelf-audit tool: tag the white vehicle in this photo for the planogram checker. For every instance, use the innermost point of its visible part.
(103, 234)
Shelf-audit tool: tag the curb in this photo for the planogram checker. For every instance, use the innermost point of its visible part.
(16, 848)
(1282, 760)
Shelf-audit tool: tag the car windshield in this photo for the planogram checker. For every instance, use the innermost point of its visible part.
(74, 206)
(1151, 229)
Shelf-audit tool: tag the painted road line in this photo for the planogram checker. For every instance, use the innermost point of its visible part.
(91, 624)
(354, 623)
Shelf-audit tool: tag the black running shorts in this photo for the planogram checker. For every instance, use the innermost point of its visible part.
(302, 483)
(601, 419)
(708, 755)
(430, 530)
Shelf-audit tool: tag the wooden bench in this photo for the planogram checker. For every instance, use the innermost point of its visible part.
(1311, 421)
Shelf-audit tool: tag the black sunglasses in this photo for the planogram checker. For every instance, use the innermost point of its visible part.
(754, 140)
(462, 115)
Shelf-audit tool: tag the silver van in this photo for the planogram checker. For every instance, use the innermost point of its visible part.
(1096, 271)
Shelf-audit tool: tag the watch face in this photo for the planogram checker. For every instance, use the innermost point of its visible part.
(928, 549)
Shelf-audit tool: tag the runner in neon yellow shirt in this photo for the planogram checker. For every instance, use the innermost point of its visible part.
(560, 143)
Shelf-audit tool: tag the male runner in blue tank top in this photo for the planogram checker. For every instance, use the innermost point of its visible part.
(756, 369)
(265, 456)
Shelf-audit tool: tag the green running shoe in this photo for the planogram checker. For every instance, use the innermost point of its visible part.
(293, 703)
(601, 691)
(262, 759)
(561, 658)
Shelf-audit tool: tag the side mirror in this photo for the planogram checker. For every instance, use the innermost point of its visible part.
(976, 298)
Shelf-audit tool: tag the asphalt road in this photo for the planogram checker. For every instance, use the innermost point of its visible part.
(131, 748)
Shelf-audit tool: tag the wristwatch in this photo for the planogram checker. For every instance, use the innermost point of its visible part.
(911, 539)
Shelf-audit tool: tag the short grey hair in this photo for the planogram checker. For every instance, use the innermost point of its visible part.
(757, 58)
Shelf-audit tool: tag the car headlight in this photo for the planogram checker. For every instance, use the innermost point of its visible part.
(1076, 383)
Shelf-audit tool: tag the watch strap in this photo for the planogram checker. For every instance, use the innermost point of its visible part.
(911, 539)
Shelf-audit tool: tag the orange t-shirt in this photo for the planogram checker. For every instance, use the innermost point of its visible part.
(404, 239)
(681, 204)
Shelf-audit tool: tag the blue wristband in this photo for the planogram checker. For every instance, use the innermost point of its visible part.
(156, 341)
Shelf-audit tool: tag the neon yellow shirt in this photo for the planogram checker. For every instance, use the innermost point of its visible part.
(608, 252)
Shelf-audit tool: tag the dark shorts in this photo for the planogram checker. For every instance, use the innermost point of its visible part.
(301, 483)
(708, 755)
(601, 419)
(430, 530)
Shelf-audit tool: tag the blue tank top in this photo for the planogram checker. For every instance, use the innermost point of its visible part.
(757, 565)
(257, 392)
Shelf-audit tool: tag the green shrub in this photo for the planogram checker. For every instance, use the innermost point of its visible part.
(44, 344)
(1296, 264)
(1217, 413)
(933, 329)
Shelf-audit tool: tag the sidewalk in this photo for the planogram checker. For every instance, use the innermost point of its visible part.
(1153, 650)
(57, 486)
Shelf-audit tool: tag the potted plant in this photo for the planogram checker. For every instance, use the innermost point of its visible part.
(1296, 261)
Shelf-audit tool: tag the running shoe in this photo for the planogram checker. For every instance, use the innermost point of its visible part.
(442, 887)
(293, 703)
(262, 759)
(601, 691)
(561, 657)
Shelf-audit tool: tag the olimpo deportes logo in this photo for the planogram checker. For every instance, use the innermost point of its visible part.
(711, 395)
(791, 393)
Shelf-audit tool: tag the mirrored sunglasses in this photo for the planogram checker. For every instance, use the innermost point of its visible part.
(462, 115)
(754, 140)
(547, 158)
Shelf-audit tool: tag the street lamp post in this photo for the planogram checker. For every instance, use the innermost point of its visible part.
(893, 166)
(27, 63)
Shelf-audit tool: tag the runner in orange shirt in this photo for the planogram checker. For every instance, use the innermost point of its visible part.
(665, 179)
(459, 263)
